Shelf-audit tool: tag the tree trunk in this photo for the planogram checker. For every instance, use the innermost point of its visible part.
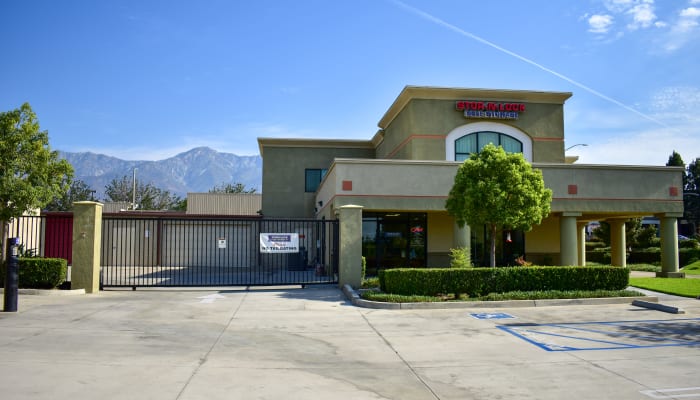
(492, 261)
(4, 228)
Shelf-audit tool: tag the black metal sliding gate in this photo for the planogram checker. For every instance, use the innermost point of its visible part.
(164, 251)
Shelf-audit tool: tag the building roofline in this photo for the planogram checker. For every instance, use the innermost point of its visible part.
(322, 143)
(446, 93)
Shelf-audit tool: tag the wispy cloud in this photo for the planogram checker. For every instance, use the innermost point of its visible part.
(620, 17)
(685, 28)
(649, 145)
(470, 35)
(599, 23)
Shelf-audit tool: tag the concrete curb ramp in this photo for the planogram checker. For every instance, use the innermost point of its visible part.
(354, 297)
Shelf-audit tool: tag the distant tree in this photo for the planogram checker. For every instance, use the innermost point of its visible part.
(231, 188)
(148, 196)
(500, 190)
(30, 173)
(691, 197)
(675, 160)
(77, 191)
(693, 176)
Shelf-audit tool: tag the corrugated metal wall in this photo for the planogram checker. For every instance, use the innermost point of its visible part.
(241, 204)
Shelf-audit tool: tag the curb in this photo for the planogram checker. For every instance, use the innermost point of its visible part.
(659, 307)
(354, 297)
(48, 292)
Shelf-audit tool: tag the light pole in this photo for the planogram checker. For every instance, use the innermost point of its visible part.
(578, 144)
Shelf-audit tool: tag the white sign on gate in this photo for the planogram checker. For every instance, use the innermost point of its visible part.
(279, 242)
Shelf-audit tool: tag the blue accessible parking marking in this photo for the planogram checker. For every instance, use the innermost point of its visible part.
(614, 335)
(498, 315)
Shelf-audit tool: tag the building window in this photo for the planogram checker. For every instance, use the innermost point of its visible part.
(314, 178)
(474, 142)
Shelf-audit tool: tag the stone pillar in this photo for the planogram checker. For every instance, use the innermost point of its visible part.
(568, 239)
(87, 237)
(618, 242)
(669, 248)
(350, 257)
(581, 226)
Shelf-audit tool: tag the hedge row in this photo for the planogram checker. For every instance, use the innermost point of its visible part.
(647, 256)
(39, 273)
(482, 281)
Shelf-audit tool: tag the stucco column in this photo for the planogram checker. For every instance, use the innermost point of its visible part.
(581, 226)
(568, 239)
(350, 257)
(462, 237)
(618, 242)
(87, 237)
(669, 248)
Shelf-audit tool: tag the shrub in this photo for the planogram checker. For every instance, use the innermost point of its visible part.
(590, 246)
(481, 281)
(688, 244)
(460, 258)
(39, 273)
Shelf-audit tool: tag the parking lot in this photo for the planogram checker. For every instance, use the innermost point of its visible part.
(292, 343)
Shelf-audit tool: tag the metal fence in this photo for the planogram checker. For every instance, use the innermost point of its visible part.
(196, 251)
(46, 235)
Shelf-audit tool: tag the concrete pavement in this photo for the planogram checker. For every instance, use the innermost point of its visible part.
(291, 343)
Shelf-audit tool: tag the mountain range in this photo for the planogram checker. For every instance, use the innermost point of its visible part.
(196, 170)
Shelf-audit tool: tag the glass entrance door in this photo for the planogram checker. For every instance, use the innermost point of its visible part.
(393, 240)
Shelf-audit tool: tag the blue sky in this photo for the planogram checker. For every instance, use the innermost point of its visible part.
(145, 80)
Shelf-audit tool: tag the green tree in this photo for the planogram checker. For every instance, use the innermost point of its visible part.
(691, 195)
(500, 190)
(77, 191)
(231, 188)
(31, 174)
(675, 160)
(148, 196)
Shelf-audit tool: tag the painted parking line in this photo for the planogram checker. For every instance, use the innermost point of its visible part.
(676, 393)
(613, 335)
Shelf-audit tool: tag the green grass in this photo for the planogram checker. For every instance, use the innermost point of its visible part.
(675, 286)
(692, 269)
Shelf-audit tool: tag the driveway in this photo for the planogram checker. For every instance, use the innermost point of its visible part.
(291, 343)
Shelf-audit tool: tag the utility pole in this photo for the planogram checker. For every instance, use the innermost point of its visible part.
(133, 192)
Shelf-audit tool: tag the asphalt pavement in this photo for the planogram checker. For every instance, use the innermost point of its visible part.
(312, 343)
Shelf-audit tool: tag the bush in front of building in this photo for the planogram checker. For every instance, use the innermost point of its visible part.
(39, 273)
(460, 258)
(481, 281)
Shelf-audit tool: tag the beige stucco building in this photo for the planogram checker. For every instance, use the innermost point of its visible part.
(402, 176)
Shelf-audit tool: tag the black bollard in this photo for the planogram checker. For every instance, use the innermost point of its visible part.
(11, 276)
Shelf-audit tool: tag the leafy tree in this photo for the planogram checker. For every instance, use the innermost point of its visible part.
(148, 196)
(500, 190)
(30, 173)
(77, 191)
(231, 188)
(675, 160)
(693, 174)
